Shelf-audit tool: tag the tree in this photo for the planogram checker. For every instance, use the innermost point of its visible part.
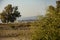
(10, 14)
(49, 26)
(58, 6)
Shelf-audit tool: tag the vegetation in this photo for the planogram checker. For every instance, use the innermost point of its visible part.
(48, 27)
(9, 14)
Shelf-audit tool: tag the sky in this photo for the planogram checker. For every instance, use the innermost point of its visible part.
(29, 8)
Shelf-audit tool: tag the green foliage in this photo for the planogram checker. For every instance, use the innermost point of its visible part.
(10, 14)
(49, 26)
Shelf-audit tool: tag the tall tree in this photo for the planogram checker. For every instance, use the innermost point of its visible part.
(10, 14)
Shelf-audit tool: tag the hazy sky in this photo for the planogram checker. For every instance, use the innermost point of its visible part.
(29, 7)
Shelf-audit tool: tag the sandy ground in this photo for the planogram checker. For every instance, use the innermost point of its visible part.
(15, 38)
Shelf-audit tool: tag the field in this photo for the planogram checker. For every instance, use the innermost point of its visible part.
(15, 31)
